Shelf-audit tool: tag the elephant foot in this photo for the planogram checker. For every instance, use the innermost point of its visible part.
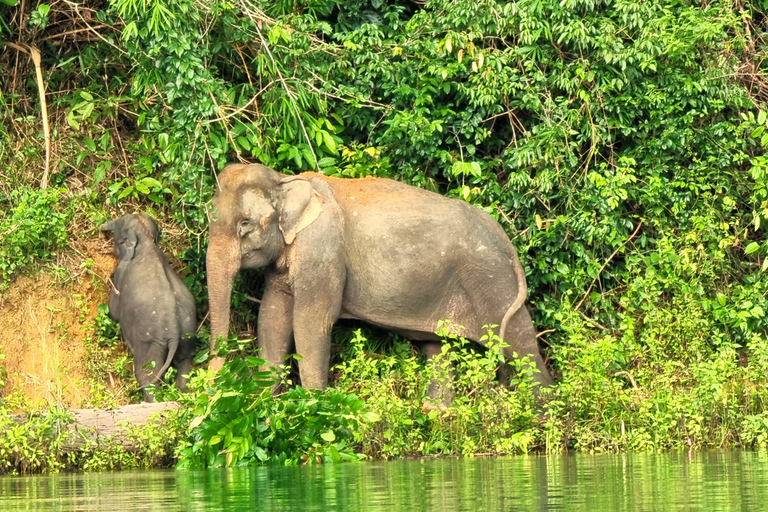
(216, 364)
(430, 406)
(439, 396)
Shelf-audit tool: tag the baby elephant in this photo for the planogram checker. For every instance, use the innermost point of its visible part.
(155, 309)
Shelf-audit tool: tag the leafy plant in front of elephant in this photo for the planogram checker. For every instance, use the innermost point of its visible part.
(507, 412)
(107, 330)
(485, 415)
(238, 422)
(476, 369)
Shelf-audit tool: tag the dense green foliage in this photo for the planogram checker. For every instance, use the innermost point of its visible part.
(34, 227)
(621, 144)
(239, 422)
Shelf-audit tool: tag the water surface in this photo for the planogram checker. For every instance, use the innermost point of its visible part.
(672, 481)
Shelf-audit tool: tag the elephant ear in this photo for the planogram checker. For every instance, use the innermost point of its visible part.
(126, 240)
(126, 247)
(299, 207)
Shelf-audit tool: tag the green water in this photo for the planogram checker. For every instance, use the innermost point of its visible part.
(672, 481)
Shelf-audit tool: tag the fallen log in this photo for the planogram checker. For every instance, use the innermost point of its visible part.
(115, 427)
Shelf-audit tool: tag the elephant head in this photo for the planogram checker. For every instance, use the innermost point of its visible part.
(256, 213)
(128, 231)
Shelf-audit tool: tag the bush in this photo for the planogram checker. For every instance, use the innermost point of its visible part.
(238, 422)
(33, 227)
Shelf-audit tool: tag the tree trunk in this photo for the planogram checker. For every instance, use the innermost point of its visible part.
(110, 426)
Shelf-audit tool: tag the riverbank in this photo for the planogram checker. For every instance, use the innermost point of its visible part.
(375, 410)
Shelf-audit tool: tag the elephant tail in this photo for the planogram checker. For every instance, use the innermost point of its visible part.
(156, 376)
(522, 292)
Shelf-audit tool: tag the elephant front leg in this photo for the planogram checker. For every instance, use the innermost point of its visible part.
(275, 326)
(313, 318)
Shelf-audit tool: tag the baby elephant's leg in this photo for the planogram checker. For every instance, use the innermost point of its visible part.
(146, 363)
(182, 361)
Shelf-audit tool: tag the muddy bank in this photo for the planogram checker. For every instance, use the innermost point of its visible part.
(46, 324)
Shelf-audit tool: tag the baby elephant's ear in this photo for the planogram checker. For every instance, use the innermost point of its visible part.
(126, 247)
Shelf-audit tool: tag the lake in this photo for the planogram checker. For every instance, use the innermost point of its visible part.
(711, 480)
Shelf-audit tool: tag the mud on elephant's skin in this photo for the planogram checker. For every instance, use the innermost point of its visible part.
(155, 309)
(372, 249)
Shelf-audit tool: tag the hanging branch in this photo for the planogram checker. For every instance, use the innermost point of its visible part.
(35, 55)
(257, 24)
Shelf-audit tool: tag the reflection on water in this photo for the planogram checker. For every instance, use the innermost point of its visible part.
(673, 481)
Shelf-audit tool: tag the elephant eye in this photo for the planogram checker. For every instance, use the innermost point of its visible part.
(244, 227)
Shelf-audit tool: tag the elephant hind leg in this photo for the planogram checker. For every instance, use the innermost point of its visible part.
(182, 360)
(440, 389)
(146, 363)
(521, 338)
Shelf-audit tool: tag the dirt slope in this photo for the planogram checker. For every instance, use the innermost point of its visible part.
(44, 324)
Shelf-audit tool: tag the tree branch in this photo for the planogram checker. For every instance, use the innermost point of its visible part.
(606, 264)
(35, 55)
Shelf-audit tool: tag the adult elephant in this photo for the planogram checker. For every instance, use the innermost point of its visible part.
(372, 249)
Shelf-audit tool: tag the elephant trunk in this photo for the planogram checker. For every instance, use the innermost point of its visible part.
(222, 263)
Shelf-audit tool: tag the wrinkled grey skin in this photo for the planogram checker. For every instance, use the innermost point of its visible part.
(377, 250)
(155, 309)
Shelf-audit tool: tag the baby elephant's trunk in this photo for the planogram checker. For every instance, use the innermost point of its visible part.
(156, 376)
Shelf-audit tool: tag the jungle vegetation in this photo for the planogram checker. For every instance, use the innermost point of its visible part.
(621, 144)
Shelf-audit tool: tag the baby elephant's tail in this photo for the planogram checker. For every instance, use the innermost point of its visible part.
(522, 292)
(156, 376)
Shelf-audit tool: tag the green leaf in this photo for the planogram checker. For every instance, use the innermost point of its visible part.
(98, 174)
(244, 142)
(260, 453)
(71, 121)
(141, 187)
(326, 161)
(80, 157)
(329, 142)
(126, 192)
(254, 361)
(308, 157)
(105, 141)
(752, 247)
(90, 144)
(328, 436)
(333, 453)
(151, 182)
(196, 422)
